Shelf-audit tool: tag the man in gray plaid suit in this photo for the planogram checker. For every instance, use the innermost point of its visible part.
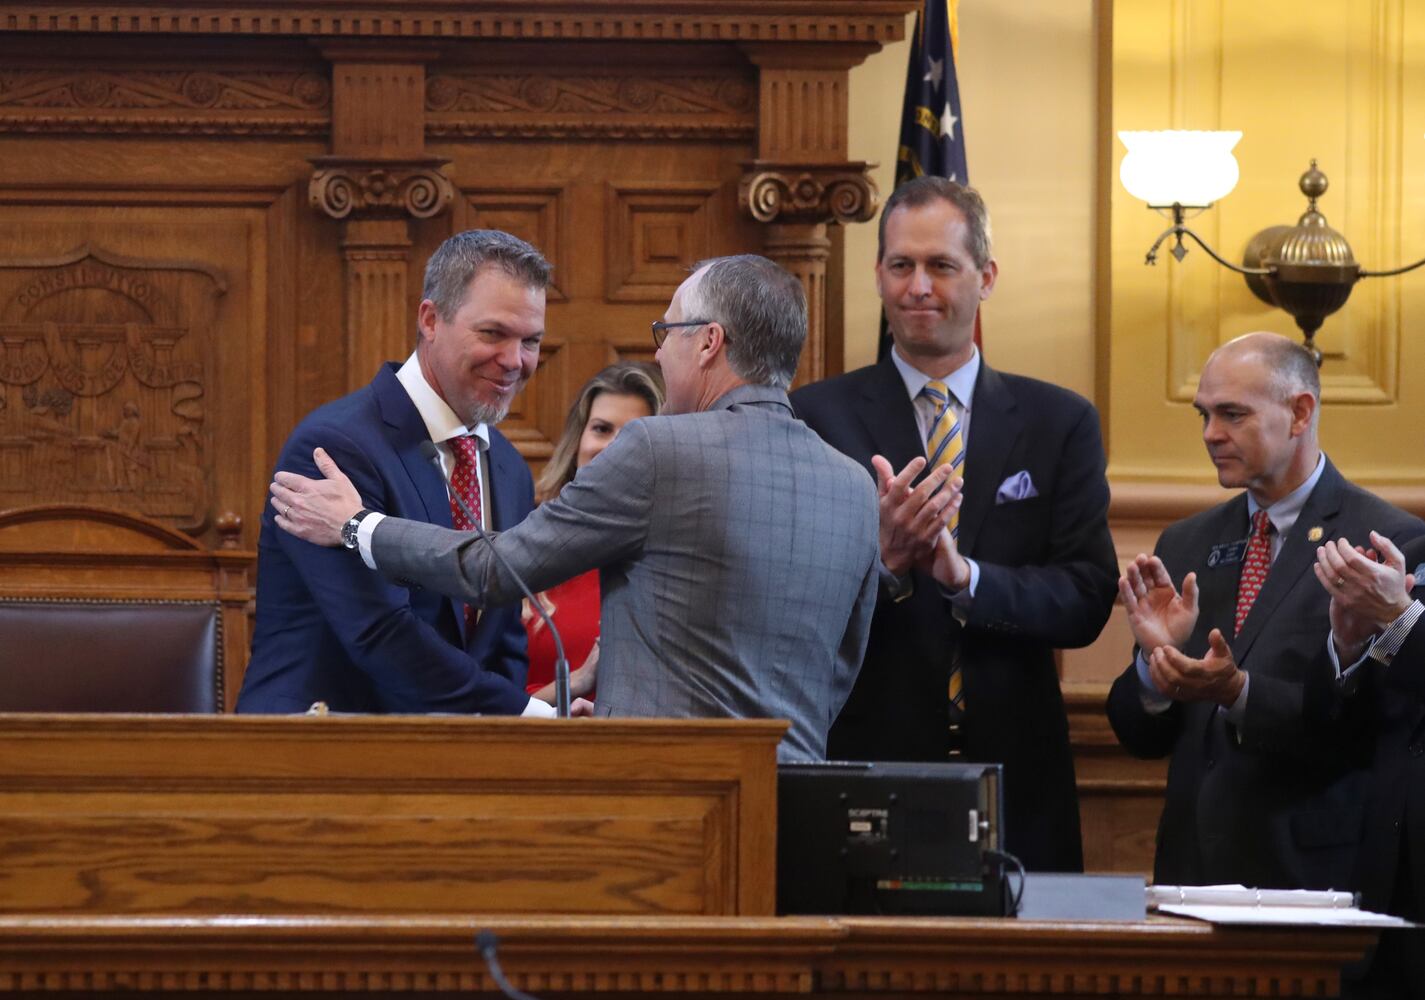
(738, 552)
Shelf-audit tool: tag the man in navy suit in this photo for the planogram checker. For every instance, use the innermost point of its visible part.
(961, 654)
(1230, 674)
(330, 631)
(1378, 654)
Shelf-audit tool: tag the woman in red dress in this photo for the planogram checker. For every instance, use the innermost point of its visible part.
(620, 393)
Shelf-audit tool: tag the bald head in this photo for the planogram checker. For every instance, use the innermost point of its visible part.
(1289, 368)
(1259, 398)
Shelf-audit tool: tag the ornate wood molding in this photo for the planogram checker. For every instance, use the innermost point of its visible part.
(177, 102)
(588, 104)
(831, 21)
(342, 187)
(670, 956)
(808, 194)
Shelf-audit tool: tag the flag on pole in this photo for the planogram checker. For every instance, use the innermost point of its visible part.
(932, 140)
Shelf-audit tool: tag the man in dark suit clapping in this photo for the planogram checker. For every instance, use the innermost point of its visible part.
(960, 661)
(1378, 654)
(1230, 674)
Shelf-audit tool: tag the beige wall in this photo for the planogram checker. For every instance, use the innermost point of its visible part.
(1027, 84)
(1342, 81)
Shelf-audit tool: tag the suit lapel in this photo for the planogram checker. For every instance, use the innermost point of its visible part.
(995, 428)
(407, 432)
(1217, 585)
(501, 485)
(887, 413)
(1295, 558)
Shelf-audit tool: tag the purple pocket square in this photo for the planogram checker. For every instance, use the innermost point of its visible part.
(1017, 487)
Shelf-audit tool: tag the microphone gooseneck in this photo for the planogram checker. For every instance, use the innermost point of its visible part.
(487, 944)
(561, 664)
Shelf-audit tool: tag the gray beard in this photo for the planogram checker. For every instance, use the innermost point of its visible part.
(483, 414)
(488, 413)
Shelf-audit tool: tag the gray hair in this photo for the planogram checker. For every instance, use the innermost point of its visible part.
(927, 189)
(1291, 369)
(763, 310)
(456, 262)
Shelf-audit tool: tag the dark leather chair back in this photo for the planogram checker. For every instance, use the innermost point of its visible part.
(97, 655)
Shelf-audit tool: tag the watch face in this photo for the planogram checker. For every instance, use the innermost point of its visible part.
(348, 533)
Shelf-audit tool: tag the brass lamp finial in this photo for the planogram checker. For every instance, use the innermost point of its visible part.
(1310, 267)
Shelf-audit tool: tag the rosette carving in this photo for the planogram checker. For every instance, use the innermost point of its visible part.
(808, 194)
(373, 189)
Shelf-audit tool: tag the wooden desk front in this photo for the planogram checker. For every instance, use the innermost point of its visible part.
(673, 957)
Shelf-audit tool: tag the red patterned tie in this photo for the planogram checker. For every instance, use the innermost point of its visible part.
(1255, 567)
(465, 480)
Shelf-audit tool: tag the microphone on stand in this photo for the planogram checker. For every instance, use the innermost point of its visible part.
(561, 665)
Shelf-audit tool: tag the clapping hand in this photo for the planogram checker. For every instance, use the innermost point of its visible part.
(913, 518)
(1367, 593)
(1216, 677)
(1157, 613)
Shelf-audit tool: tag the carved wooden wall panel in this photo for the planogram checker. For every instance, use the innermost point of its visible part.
(203, 239)
(654, 230)
(128, 358)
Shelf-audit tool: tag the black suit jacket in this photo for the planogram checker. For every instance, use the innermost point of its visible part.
(1047, 579)
(1278, 802)
(328, 629)
(1395, 813)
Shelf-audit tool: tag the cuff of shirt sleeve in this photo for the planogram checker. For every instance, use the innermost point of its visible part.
(363, 537)
(1237, 712)
(1154, 701)
(897, 588)
(960, 600)
(537, 709)
(1344, 674)
(1385, 648)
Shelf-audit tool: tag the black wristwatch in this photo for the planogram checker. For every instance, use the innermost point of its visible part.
(348, 530)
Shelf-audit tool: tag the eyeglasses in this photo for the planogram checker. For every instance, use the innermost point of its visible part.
(661, 328)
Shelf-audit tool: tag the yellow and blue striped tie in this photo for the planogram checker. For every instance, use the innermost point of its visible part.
(946, 443)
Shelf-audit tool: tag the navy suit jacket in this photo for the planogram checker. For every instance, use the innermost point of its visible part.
(329, 629)
(1392, 862)
(1277, 802)
(1048, 578)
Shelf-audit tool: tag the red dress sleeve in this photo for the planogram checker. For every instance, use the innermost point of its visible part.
(576, 613)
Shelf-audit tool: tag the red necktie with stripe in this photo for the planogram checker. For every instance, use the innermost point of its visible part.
(1255, 567)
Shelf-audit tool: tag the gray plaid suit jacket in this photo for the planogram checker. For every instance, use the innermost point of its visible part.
(738, 558)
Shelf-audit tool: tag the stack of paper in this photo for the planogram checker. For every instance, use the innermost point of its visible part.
(1237, 904)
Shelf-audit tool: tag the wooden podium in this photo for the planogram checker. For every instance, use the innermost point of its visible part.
(323, 856)
(268, 815)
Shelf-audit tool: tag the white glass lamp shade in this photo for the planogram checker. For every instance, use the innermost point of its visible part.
(1193, 169)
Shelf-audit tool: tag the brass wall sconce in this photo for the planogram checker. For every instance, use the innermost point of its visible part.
(1307, 270)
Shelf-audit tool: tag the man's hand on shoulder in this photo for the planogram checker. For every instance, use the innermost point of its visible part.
(1157, 614)
(314, 510)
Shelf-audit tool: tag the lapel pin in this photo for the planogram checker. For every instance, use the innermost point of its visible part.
(1314, 535)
